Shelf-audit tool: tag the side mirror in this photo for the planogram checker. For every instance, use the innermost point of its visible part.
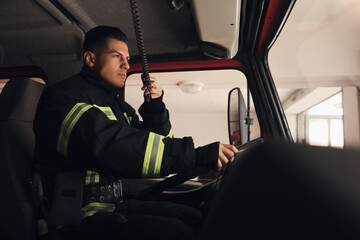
(237, 115)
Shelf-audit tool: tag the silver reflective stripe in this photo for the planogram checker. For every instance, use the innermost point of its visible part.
(108, 112)
(153, 156)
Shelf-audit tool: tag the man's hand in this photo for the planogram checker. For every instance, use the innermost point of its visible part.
(156, 90)
(226, 154)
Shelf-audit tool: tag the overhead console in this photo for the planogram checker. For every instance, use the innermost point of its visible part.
(218, 26)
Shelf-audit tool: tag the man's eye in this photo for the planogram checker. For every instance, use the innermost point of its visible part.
(116, 55)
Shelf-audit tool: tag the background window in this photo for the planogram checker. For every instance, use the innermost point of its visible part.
(323, 123)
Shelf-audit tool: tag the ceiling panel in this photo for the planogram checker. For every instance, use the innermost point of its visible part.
(319, 45)
(165, 31)
(17, 15)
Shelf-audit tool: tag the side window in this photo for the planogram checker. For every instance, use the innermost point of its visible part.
(201, 114)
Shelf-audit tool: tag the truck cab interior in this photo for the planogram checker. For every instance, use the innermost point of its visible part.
(273, 189)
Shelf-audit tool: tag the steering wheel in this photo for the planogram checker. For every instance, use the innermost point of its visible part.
(180, 178)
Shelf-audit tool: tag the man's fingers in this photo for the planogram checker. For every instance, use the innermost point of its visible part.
(153, 80)
(232, 148)
(228, 150)
(219, 165)
(226, 154)
(155, 89)
(154, 85)
(223, 158)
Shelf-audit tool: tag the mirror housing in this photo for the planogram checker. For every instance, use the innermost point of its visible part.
(237, 118)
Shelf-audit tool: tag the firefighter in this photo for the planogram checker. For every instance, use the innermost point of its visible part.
(87, 138)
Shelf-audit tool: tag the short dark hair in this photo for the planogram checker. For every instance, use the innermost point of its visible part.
(96, 38)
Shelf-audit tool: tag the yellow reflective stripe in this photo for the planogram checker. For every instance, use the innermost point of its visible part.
(128, 118)
(61, 134)
(68, 130)
(108, 112)
(153, 155)
(170, 133)
(92, 177)
(62, 130)
(92, 208)
(71, 119)
(87, 178)
(149, 146)
(68, 124)
(42, 227)
(159, 157)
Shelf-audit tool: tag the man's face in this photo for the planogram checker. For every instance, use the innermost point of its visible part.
(111, 64)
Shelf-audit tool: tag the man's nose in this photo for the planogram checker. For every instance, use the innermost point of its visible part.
(125, 65)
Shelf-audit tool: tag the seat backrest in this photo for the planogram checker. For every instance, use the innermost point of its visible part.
(18, 101)
(287, 191)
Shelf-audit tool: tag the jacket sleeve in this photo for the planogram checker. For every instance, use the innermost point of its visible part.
(88, 138)
(155, 117)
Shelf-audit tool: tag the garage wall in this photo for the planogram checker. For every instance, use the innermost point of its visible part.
(351, 117)
(203, 127)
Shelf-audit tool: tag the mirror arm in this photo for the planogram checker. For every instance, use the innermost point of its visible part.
(248, 120)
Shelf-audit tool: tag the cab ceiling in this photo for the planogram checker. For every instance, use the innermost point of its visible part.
(39, 32)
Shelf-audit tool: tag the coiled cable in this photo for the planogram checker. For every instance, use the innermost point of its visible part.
(145, 77)
(176, 4)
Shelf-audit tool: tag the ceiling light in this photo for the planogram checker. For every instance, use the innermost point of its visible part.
(190, 86)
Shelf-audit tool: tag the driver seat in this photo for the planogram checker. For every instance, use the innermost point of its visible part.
(18, 101)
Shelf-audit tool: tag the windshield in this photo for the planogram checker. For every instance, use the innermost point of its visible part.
(315, 57)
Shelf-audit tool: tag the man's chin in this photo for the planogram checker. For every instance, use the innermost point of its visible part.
(119, 84)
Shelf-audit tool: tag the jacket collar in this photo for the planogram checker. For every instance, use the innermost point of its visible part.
(93, 78)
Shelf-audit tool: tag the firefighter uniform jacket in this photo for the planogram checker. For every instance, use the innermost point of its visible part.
(82, 123)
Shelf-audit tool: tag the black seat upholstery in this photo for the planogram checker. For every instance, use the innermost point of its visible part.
(288, 191)
(18, 102)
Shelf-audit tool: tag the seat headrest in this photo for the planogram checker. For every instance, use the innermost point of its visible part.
(19, 98)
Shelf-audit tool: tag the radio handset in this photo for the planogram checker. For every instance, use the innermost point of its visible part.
(145, 77)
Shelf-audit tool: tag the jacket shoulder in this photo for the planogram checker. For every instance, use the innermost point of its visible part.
(73, 84)
(73, 89)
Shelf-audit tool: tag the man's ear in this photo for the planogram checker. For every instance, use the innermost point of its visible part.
(89, 59)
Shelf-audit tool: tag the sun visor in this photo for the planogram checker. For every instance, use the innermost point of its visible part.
(218, 23)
